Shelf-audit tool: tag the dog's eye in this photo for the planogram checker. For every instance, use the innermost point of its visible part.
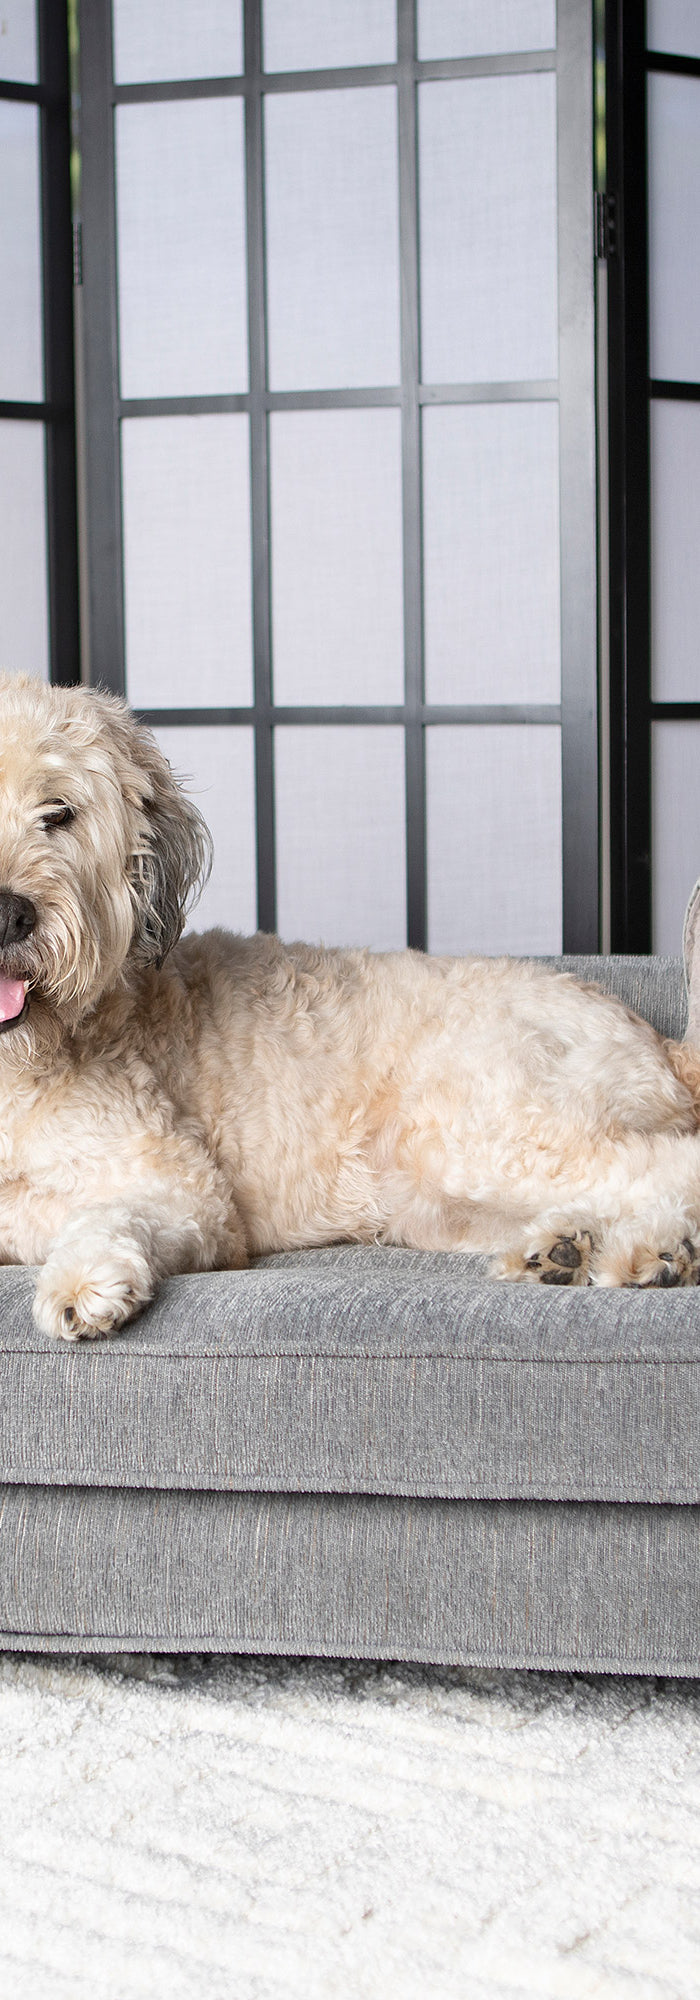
(57, 815)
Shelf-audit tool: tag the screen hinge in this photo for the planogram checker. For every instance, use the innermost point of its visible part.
(605, 226)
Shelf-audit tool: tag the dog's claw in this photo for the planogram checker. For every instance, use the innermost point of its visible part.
(662, 1281)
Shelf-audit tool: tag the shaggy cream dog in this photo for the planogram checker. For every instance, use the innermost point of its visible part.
(178, 1107)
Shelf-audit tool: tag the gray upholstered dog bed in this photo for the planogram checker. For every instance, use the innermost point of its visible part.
(364, 1452)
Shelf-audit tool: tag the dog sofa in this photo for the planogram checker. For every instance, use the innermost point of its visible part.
(364, 1452)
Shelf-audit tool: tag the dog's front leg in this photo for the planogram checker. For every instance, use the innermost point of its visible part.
(107, 1261)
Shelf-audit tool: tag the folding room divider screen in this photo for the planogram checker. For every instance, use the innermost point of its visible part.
(340, 408)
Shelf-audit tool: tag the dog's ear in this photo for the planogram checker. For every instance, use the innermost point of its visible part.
(170, 867)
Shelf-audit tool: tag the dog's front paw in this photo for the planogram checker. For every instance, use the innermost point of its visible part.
(83, 1299)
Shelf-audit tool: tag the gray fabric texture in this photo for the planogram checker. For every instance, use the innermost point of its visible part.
(369, 1371)
(503, 1584)
(654, 987)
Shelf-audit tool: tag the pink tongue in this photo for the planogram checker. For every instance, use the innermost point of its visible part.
(12, 998)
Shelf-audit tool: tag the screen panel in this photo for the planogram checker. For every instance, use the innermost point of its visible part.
(328, 34)
(674, 26)
(675, 765)
(484, 27)
(181, 248)
(673, 107)
(39, 614)
(674, 241)
(494, 839)
(488, 229)
(21, 336)
(340, 812)
(364, 575)
(331, 178)
(337, 584)
(18, 41)
(675, 541)
(216, 768)
(153, 42)
(187, 577)
(24, 635)
(491, 551)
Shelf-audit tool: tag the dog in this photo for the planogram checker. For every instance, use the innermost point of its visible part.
(172, 1106)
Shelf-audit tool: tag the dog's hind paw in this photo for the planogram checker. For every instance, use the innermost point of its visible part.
(565, 1261)
(647, 1269)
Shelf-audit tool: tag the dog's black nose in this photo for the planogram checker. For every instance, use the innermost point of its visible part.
(17, 918)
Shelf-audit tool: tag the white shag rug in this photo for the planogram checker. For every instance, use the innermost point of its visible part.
(289, 1830)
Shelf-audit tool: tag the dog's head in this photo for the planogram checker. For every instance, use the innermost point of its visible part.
(100, 854)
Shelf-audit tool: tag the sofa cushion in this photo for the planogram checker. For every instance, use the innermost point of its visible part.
(364, 1370)
(372, 1371)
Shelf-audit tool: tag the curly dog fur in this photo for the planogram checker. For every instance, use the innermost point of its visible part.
(178, 1106)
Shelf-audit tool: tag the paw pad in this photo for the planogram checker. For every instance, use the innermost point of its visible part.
(565, 1262)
